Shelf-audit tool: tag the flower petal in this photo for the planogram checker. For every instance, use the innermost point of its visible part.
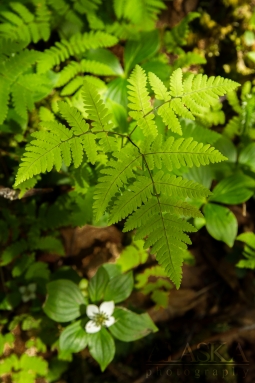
(107, 308)
(91, 311)
(91, 327)
(31, 287)
(110, 321)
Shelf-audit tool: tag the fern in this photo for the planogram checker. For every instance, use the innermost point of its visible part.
(137, 183)
(177, 37)
(22, 86)
(90, 66)
(20, 23)
(77, 44)
(243, 123)
(57, 144)
(146, 11)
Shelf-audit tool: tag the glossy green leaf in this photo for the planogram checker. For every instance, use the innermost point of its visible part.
(247, 156)
(112, 269)
(73, 338)
(117, 91)
(137, 51)
(102, 347)
(227, 148)
(64, 301)
(233, 190)
(248, 238)
(97, 284)
(221, 223)
(119, 288)
(130, 326)
(106, 57)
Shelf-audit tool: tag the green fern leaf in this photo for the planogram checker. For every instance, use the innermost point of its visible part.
(116, 175)
(140, 102)
(73, 117)
(176, 86)
(166, 236)
(159, 89)
(77, 44)
(143, 189)
(23, 87)
(101, 119)
(169, 118)
(182, 152)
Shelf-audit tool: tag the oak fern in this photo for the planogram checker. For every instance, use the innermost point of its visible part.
(137, 183)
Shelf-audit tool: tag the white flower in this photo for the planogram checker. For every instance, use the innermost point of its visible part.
(100, 316)
(27, 292)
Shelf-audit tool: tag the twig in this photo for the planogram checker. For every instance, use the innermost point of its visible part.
(12, 194)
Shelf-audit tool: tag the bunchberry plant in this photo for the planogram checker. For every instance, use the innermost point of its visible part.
(96, 326)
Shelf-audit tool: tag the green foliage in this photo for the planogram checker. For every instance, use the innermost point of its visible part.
(151, 201)
(20, 23)
(25, 86)
(177, 37)
(242, 124)
(249, 250)
(65, 303)
(77, 44)
(107, 117)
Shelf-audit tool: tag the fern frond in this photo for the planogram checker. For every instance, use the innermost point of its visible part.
(165, 234)
(101, 119)
(186, 98)
(143, 189)
(159, 89)
(57, 144)
(21, 24)
(77, 44)
(84, 66)
(73, 86)
(145, 11)
(169, 118)
(23, 87)
(140, 105)
(182, 152)
(115, 176)
(178, 35)
(73, 117)
(187, 59)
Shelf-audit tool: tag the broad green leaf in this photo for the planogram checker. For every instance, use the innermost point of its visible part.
(202, 175)
(130, 326)
(227, 148)
(247, 156)
(102, 347)
(233, 190)
(12, 251)
(112, 269)
(73, 338)
(64, 301)
(38, 271)
(106, 57)
(119, 288)
(97, 284)
(140, 50)
(248, 238)
(117, 91)
(132, 256)
(221, 223)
